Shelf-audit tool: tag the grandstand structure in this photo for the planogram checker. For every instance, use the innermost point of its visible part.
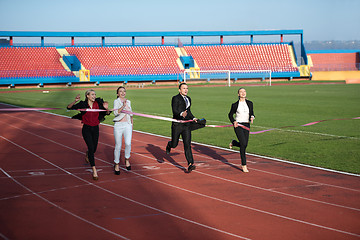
(46, 63)
(335, 65)
(330, 60)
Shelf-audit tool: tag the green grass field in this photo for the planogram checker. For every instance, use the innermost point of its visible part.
(331, 144)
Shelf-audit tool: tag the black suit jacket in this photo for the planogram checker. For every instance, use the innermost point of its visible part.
(178, 106)
(234, 107)
(84, 104)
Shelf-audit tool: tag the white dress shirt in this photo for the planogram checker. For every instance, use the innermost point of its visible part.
(242, 113)
(119, 115)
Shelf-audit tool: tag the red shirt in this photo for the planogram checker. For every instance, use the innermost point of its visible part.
(91, 118)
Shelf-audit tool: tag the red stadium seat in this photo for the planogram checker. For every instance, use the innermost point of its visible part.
(128, 60)
(238, 57)
(24, 60)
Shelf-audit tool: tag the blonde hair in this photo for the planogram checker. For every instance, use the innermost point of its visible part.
(88, 92)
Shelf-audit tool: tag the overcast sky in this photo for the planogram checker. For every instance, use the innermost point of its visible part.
(319, 19)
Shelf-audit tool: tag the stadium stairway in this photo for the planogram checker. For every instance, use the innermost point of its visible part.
(292, 56)
(182, 52)
(179, 63)
(63, 52)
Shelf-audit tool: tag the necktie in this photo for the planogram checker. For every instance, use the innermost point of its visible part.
(186, 102)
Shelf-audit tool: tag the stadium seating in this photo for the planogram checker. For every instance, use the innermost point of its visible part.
(142, 60)
(335, 61)
(27, 62)
(274, 57)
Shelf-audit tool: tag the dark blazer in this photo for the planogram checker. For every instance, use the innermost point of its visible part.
(178, 106)
(234, 107)
(84, 104)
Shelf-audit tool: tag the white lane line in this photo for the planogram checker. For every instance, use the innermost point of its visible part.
(213, 176)
(108, 191)
(55, 205)
(204, 195)
(220, 199)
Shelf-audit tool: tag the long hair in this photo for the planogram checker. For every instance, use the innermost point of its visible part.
(87, 93)
(117, 91)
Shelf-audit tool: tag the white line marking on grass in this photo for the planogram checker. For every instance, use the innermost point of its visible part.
(297, 131)
(277, 129)
(320, 134)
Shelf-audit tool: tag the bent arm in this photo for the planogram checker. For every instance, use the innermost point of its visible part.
(71, 105)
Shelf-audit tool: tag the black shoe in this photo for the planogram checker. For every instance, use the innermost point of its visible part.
(116, 172)
(126, 163)
(168, 149)
(191, 167)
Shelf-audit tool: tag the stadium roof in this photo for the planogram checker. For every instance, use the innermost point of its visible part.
(145, 34)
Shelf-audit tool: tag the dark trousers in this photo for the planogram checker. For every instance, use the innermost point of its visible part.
(184, 130)
(91, 137)
(243, 137)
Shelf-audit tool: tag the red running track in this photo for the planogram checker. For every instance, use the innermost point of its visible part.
(46, 190)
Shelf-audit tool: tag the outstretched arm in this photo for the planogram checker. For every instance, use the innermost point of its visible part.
(77, 98)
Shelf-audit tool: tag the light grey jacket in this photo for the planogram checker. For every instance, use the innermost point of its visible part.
(119, 116)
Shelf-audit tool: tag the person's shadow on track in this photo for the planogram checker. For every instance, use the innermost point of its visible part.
(161, 156)
(213, 154)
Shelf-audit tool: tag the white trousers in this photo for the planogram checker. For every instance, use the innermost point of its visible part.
(120, 129)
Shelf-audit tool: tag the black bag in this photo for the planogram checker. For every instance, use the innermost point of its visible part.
(197, 125)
